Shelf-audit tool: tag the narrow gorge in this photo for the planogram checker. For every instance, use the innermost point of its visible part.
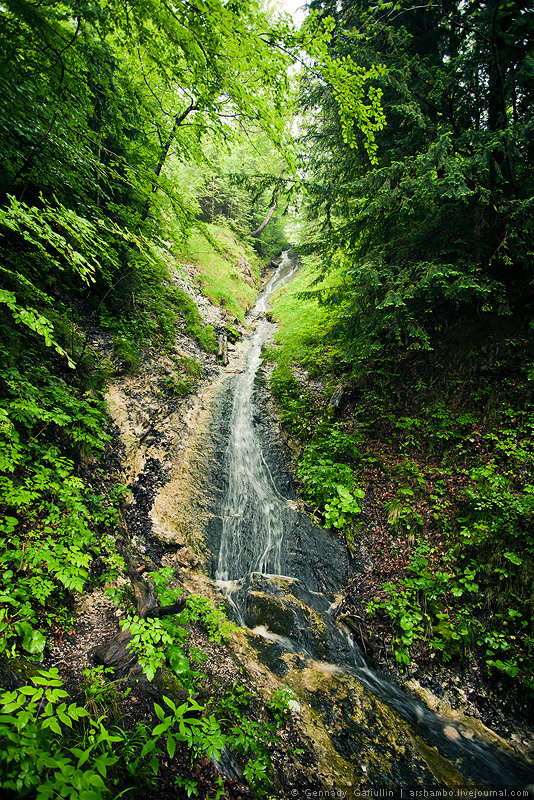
(266, 399)
(226, 509)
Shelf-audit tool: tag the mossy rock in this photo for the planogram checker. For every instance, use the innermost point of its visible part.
(170, 686)
(233, 334)
(18, 671)
(288, 617)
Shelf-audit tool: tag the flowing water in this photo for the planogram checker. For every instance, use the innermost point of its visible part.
(252, 501)
(270, 567)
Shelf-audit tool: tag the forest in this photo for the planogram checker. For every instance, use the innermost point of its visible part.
(390, 145)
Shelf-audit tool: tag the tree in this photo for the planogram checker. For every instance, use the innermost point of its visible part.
(441, 225)
(95, 100)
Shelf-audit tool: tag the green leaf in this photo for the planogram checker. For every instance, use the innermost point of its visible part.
(515, 559)
(53, 724)
(176, 660)
(162, 727)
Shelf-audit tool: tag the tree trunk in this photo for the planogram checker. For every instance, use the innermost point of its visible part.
(222, 352)
(271, 209)
(115, 653)
(178, 119)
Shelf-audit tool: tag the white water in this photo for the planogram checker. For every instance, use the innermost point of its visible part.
(252, 502)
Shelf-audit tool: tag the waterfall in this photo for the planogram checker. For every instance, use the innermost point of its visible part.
(252, 504)
(264, 550)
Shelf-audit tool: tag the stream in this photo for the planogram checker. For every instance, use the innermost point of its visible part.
(280, 574)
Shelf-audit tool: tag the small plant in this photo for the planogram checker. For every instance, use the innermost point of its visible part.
(35, 723)
(101, 695)
(147, 637)
(249, 737)
(340, 510)
(213, 617)
(331, 486)
(233, 334)
(180, 385)
(128, 353)
(401, 514)
(405, 615)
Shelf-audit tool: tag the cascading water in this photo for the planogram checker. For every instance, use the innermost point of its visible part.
(252, 501)
(267, 549)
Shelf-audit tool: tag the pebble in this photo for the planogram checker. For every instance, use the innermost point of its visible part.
(294, 706)
(466, 733)
(450, 732)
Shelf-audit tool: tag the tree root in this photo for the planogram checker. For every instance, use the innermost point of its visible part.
(115, 653)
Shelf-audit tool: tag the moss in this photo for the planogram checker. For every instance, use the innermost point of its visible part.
(17, 670)
(170, 686)
(233, 334)
(265, 610)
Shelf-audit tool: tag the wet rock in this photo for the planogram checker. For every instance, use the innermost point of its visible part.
(225, 763)
(288, 609)
(362, 739)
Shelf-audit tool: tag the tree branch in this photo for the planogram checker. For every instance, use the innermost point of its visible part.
(271, 209)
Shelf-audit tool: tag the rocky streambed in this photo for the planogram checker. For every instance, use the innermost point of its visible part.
(214, 498)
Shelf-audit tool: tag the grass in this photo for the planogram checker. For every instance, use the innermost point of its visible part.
(221, 278)
(302, 320)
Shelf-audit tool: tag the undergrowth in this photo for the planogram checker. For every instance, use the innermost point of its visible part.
(60, 503)
(55, 746)
(441, 442)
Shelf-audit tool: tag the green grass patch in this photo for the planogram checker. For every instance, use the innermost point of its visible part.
(303, 321)
(187, 311)
(222, 277)
(185, 379)
(126, 350)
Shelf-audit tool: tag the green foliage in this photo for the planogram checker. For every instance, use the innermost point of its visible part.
(171, 632)
(446, 439)
(400, 514)
(298, 408)
(55, 748)
(147, 636)
(35, 724)
(52, 520)
(101, 694)
(331, 487)
(304, 321)
(128, 353)
(188, 315)
(340, 509)
(422, 229)
(357, 105)
(212, 616)
(182, 724)
(250, 738)
(185, 380)
(328, 482)
(225, 276)
(37, 570)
